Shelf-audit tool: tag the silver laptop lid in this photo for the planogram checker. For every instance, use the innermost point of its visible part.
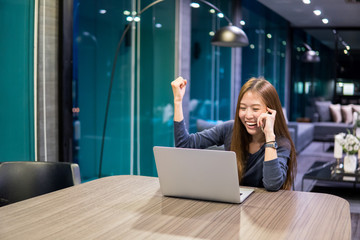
(198, 174)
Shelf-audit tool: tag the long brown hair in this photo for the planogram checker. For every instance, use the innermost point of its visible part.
(241, 138)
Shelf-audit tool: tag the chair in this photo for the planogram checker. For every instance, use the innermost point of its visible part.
(23, 180)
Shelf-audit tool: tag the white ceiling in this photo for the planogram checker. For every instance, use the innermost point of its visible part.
(340, 13)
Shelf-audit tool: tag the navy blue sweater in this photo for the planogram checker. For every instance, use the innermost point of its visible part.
(270, 175)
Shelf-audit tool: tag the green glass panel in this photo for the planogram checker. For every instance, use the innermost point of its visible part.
(141, 90)
(210, 90)
(266, 54)
(310, 81)
(95, 41)
(17, 81)
(157, 62)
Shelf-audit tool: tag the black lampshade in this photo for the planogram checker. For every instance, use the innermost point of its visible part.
(230, 36)
(310, 56)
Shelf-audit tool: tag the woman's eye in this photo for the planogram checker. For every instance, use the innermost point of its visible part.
(256, 109)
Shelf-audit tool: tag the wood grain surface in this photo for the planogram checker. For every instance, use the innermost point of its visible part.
(132, 207)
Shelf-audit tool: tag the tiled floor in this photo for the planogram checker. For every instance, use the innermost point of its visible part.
(317, 151)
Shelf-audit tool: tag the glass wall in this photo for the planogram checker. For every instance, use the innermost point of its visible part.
(139, 113)
(17, 82)
(210, 86)
(266, 54)
(310, 81)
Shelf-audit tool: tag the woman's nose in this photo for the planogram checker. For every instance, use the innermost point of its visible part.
(248, 113)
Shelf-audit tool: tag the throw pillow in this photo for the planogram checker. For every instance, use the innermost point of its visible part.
(356, 108)
(335, 111)
(346, 113)
(323, 109)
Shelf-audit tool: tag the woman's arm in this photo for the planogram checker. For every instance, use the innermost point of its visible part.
(179, 88)
(275, 171)
(216, 135)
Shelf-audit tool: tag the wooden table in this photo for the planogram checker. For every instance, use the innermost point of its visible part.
(132, 207)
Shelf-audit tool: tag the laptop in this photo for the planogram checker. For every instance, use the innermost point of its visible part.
(199, 174)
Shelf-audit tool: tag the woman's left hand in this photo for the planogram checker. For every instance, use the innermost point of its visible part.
(266, 121)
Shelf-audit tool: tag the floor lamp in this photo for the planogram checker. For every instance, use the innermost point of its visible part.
(228, 36)
(310, 55)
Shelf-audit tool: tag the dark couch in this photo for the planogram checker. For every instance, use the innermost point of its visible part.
(302, 134)
(329, 120)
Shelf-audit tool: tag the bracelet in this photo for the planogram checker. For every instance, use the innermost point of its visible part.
(270, 142)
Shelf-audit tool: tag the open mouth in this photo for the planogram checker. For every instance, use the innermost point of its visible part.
(251, 124)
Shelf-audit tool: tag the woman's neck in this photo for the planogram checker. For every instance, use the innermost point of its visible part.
(258, 139)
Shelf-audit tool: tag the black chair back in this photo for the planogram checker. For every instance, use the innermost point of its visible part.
(23, 180)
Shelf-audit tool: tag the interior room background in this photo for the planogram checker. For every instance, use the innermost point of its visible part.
(171, 39)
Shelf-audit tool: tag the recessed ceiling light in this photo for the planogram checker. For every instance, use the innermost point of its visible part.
(242, 22)
(126, 12)
(194, 5)
(268, 35)
(211, 33)
(317, 12)
(220, 15)
(306, 1)
(348, 47)
(212, 10)
(325, 20)
(102, 11)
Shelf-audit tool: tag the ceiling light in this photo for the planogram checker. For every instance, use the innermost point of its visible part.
(211, 33)
(348, 47)
(252, 46)
(126, 12)
(345, 51)
(158, 25)
(129, 19)
(306, 1)
(194, 5)
(268, 35)
(317, 12)
(212, 10)
(102, 11)
(136, 19)
(220, 15)
(325, 20)
(242, 22)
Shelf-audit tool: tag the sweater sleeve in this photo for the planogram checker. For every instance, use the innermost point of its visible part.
(275, 171)
(203, 139)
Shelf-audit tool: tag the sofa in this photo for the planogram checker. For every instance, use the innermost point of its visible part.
(302, 134)
(330, 119)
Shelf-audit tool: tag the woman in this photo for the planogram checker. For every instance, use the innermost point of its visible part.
(259, 136)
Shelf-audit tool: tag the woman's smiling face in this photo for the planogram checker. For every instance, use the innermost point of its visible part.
(251, 106)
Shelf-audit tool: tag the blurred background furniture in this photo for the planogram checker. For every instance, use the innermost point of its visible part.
(302, 134)
(330, 119)
(23, 180)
